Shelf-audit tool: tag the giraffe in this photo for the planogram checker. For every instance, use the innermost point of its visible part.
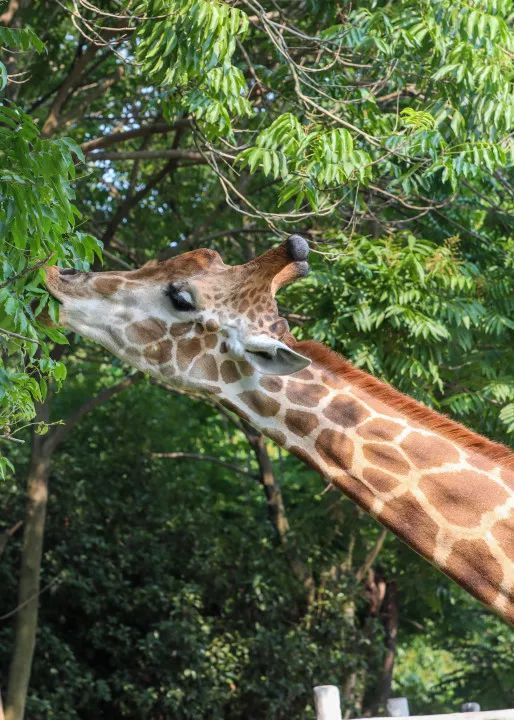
(208, 327)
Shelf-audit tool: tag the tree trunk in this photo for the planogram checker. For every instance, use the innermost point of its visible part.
(276, 508)
(43, 448)
(389, 619)
(384, 605)
(28, 592)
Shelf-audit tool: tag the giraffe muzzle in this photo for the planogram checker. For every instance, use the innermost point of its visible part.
(297, 248)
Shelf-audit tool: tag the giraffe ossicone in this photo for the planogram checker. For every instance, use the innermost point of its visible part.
(200, 324)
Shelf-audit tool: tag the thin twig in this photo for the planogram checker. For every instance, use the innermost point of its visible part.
(30, 599)
(204, 458)
(371, 556)
(27, 271)
(9, 333)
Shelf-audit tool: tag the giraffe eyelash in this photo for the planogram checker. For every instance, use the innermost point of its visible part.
(181, 299)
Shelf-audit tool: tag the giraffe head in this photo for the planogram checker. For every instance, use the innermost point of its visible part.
(189, 318)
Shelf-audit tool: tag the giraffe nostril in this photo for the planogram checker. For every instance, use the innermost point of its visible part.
(68, 271)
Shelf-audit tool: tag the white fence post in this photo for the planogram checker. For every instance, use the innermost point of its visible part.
(327, 702)
(398, 707)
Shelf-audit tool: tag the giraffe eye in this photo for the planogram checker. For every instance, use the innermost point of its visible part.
(181, 299)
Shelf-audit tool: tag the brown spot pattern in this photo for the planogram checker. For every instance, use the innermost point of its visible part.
(301, 423)
(305, 375)
(234, 408)
(260, 403)
(229, 371)
(245, 368)
(503, 531)
(186, 351)
(159, 353)
(480, 462)
(473, 565)
(307, 395)
(271, 383)
(345, 411)
(356, 490)
(210, 341)
(335, 448)
(462, 497)
(410, 521)
(146, 331)
(180, 328)
(205, 368)
(380, 480)
(378, 429)
(429, 451)
(386, 457)
(106, 285)
(275, 435)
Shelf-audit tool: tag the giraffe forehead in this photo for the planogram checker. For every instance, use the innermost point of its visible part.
(232, 286)
(229, 295)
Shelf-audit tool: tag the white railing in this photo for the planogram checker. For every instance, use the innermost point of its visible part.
(328, 707)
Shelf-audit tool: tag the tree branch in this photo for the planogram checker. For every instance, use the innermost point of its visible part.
(60, 433)
(190, 155)
(276, 508)
(23, 604)
(133, 199)
(205, 458)
(371, 556)
(122, 136)
(9, 333)
(7, 534)
(78, 67)
(7, 16)
(26, 271)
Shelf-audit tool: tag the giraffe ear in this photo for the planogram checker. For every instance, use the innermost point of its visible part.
(273, 357)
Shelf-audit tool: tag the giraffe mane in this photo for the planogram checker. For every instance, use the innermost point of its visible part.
(338, 365)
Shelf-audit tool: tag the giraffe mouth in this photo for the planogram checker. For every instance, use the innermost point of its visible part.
(273, 357)
(262, 354)
(55, 283)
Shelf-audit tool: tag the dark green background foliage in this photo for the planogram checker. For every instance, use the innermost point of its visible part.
(381, 130)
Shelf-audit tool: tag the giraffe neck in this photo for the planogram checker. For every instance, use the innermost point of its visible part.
(424, 477)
